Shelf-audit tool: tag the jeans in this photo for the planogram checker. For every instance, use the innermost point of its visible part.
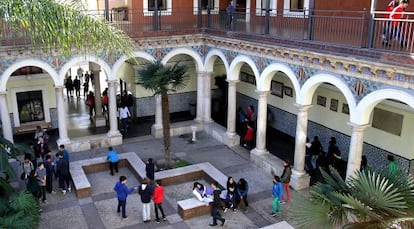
(43, 192)
(122, 205)
(216, 216)
(112, 166)
(276, 205)
(158, 206)
(286, 192)
(146, 211)
(124, 124)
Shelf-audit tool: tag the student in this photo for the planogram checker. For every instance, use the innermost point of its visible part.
(62, 168)
(124, 114)
(231, 198)
(215, 205)
(41, 180)
(113, 159)
(145, 191)
(397, 31)
(285, 179)
(27, 167)
(202, 193)
(158, 196)
(242, 190)
(150, 169)
(230, 13)
(122, 192)
(277, 196)
(64, 152)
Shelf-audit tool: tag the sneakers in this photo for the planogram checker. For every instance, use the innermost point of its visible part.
(234, 210)
(223, 222)
(157, 221)
(225, 210)
(69, 189)
(246, 210)
(53, 192)
(64, 192)
(126, 217)
(274, 214)
(164, 219)
(212, 225)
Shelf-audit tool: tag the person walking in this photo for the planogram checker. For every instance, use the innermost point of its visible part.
(285, 179)
(150, 169)
(215, 205)
(123, 116)
(122, 192)
(392, 165)
(27, 167)
(387, 27)
(62, 168)
(41, 180)
(158, 197)
(230, 14)
(145, 191)
(242, 190)
(396, 16)
(76, 85)
(277, 196)
(113, 159)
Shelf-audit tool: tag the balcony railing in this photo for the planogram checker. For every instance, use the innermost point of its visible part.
(358, 29)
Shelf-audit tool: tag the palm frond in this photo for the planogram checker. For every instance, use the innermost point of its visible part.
(318, 217)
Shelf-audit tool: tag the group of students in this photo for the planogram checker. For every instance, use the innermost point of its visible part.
(246, 124)
(39, 173)
(281, 189)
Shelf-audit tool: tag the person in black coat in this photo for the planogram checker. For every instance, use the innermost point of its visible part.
(215, 205)
(62, 167)
(145, 191)
(150, 169)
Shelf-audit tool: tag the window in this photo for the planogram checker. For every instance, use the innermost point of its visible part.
(204, 3)
(162, 5)
(296, 5)
(30, 106)
(296, 8)
(261, 8)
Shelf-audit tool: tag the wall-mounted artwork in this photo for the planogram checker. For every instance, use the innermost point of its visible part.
(321, 101)
(334, 105)
(345, 108)
(277, 89)
(288, 91)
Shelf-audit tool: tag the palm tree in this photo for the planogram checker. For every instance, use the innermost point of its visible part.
(371, 199)
(63, 26)
(162, 79)
(17, 209)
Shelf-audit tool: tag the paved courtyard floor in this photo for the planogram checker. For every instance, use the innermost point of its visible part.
(99, 210)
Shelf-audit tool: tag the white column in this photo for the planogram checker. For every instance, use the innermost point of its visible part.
(113, 121)
(63, 131)
(300, 139)
(97, 89)
(5, 118)
(300, 180)
(206, 76)
(355, 149)
(231, 108)
(261, 122)
(200, 100)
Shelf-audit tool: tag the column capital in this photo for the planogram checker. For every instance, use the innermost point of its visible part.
(232, 82)
(302, 108)
(59, 88)
(204, 73)
(262, 93)
(3, 93)
(358, 127)
(112, 81)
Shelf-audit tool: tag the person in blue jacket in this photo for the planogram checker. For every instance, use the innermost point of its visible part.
(277, 195)
(113, 159)
(122, 192)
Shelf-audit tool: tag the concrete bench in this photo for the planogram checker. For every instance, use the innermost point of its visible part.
(79, 169)
(192, 207)
(280, 225)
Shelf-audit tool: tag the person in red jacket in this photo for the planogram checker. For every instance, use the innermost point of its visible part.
(396, 25)
(248, 138)
(387, 27)
(158, 196)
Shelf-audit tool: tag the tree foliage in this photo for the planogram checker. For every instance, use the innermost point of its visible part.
(371, 199)
(62, 25)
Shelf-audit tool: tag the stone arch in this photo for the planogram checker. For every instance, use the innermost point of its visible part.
(310, 86)
(24, 63)
(268, 73)
(367, 104)
(236, 65)
(211, 58)
(198, 61)
(120, 61)
(76, 60)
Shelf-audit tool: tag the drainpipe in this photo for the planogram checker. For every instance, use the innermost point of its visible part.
(267, 16)
(199, 15)
(155, 19)
(371, 23)
(106, 10)
(209, 13)
(310, 19)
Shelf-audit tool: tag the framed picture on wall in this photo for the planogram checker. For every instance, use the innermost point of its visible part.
(251, 79)
(345, 108)
(321, 101)
(277, 88)
(288, 91)
(243, 76)
(334, 105)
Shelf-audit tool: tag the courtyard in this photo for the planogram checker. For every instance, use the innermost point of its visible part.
(99, 210)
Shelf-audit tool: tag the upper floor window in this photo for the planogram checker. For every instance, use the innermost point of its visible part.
(163, 5)
(295, 8)
(297, 5)
(204, 4)
(261, 8)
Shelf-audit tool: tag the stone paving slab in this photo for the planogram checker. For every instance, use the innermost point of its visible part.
(71, 217)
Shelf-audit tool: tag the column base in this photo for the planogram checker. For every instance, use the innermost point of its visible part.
(299, 181)
(99, 121)
(231, 139)
(66, 142)
(114, 133)
(156, 131)
(266, 161)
